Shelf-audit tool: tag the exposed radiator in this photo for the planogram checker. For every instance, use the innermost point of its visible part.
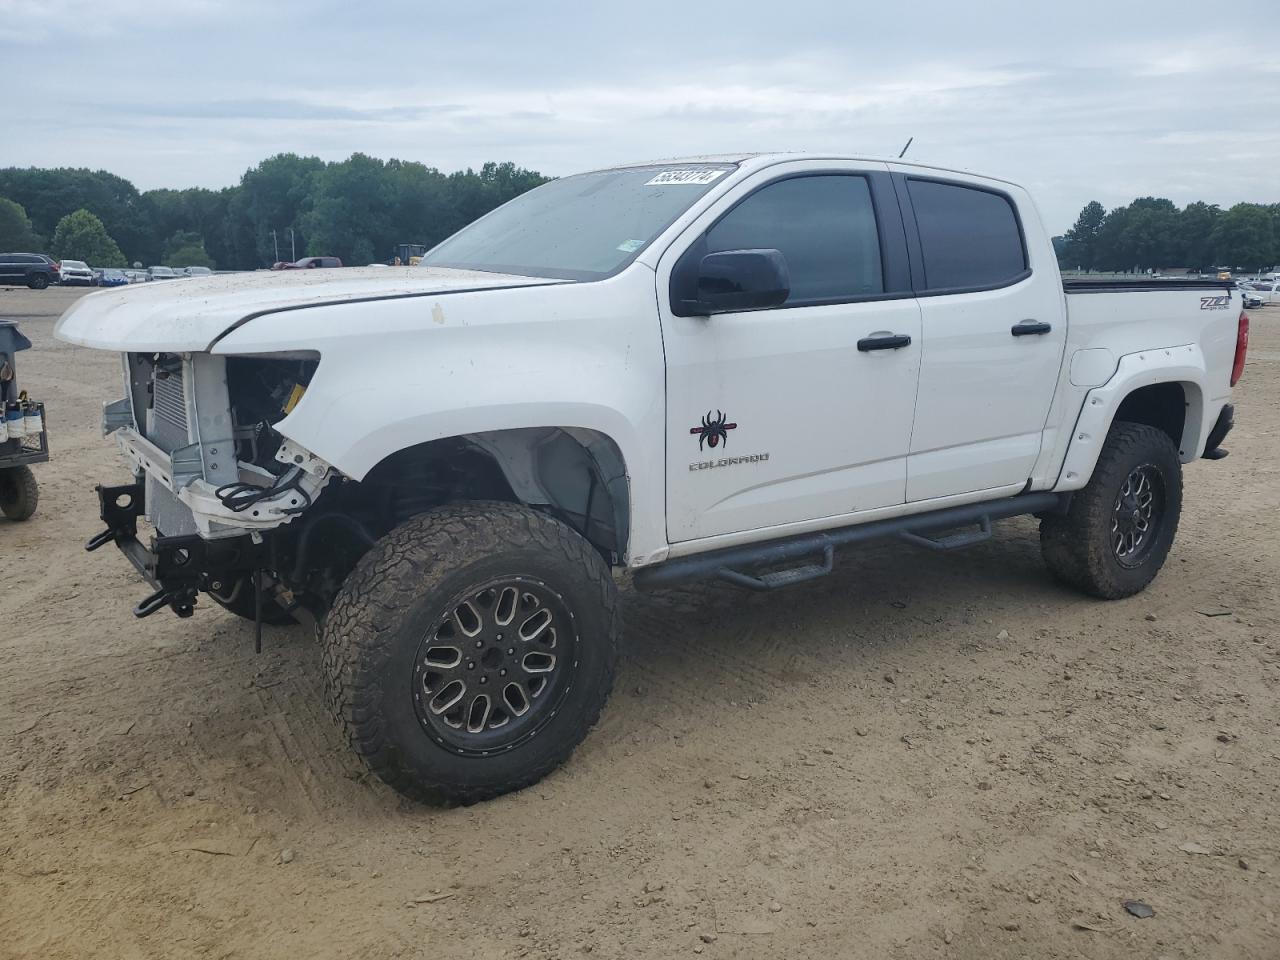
(169, 428)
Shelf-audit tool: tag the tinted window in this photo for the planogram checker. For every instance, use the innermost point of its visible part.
(824, 226)
(969, 237)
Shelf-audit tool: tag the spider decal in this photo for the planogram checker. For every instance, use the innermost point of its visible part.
(713, 432)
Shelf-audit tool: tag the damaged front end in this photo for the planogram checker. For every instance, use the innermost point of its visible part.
(213, 477)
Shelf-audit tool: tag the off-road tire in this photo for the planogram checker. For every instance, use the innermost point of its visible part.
(412, 577)
(38, 281)
(239, 600)
(19, 493)
(1079, 547)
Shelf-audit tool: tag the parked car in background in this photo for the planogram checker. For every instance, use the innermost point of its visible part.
(196, 272)
(161, 273)
(76, 273)
(308, 263)
(111, 277)
(1265, 291)
(1248, 295)
(34, 270)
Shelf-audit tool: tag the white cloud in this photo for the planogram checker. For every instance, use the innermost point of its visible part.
(1099, 101)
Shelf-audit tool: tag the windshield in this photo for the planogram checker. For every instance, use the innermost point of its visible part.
(75, 264)
(584, 227)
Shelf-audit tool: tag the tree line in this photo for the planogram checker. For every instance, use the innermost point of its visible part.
(357, 209)
(1151, 233)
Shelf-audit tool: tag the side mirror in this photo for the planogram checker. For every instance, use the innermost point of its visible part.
(734, 280)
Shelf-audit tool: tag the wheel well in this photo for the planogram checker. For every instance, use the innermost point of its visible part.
(579, 475)
(1160, 405)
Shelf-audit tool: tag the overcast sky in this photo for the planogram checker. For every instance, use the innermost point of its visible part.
(1087, 100)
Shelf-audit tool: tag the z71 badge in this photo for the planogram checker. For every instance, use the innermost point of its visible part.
(1216, 303)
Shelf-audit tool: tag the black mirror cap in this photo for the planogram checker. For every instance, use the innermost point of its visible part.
(733, 280)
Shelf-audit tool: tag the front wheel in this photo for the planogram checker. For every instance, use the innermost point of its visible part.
(19, 494)
(471, 650)
(1117, 532)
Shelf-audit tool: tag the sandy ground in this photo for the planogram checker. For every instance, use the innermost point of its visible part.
(921, 756)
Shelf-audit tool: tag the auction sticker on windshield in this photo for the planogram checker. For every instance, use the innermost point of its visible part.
(698, 177)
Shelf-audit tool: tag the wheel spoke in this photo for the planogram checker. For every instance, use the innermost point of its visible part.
(534, 626)
(468, 618)
(538, 661)
(442, 657)
(516, 699)
(505, 611)
(448, 697)
(478, 713)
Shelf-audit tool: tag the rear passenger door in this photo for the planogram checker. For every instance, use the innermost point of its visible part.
(10, 269)
(993, 333)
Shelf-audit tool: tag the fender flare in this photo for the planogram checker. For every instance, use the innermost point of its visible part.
(1183, 365)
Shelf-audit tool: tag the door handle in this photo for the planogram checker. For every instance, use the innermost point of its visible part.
(1030, 328)
(883, 341)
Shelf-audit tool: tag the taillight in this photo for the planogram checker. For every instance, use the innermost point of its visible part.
(1242, 347)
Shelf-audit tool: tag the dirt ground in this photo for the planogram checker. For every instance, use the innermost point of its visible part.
(921, 756)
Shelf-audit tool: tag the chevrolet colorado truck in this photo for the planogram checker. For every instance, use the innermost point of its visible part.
(723, 367)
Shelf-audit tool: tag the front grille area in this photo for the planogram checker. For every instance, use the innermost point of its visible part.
(168, 427)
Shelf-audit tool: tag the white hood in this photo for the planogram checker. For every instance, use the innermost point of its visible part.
(190, 314)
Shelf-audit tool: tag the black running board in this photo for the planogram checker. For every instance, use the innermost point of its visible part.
(814, 553)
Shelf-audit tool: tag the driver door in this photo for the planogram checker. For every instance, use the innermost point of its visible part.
(803, 411)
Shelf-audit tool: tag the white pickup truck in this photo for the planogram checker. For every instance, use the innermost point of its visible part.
(719, 367)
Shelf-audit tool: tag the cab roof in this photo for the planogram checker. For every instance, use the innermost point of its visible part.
(764, 159)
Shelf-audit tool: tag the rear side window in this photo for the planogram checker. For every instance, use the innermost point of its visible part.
(970, 238)
(825, 227)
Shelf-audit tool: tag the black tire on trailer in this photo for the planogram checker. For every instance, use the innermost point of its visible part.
(19, 493)
(237, 598)
(38, 281)
(471, 650)
(1118, 529)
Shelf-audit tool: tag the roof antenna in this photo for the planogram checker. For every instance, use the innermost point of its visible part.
(906, 148)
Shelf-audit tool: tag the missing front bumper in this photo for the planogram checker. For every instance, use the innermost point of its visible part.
(178, 568)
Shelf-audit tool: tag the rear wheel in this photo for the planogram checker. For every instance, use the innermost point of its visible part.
(471, 650)
(38, 281)
(19, 494)
(1118, 530)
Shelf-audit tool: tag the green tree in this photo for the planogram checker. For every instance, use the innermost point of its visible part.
(186, 249)
(1195, 227)
(81, 236)
(352, 210)
(1244, 236)
(50, 194)
(362, 207)
(1080, 244)
(15, 229)
(1150, 237)
(274, 195)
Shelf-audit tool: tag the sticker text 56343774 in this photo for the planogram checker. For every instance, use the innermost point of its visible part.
(694, 177)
